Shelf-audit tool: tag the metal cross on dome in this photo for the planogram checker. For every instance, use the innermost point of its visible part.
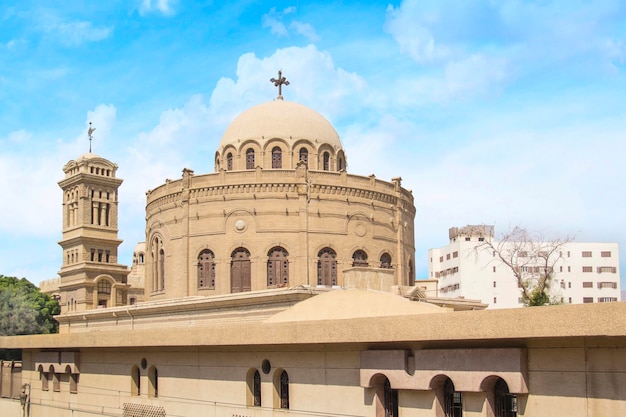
(279, 83)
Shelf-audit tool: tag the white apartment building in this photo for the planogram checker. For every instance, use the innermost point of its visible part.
(582, 272)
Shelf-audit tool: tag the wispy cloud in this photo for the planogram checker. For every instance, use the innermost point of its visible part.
(165, 7)
(77, 33)
(275, 21)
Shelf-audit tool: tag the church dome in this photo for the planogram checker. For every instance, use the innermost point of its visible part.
(280, 119)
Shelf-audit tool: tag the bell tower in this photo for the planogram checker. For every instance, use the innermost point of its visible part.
(90, 276)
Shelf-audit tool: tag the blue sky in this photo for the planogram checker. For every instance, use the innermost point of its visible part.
(497, 112)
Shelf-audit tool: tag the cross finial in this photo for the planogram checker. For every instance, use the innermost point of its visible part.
(90, 134)
(279, 83)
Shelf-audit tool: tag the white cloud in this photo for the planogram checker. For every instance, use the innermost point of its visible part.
(76, 33)
(305, 30)
(19, 136)
(165, 7)
(274, 20)
(476, 73)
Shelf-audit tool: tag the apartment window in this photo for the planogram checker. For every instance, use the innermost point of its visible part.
(448, 257)
(605, 254)
(586, 254)
(569, 284)
(494, 269)
(467, 239)
(607, 285)
(494, 300)
(562, 284)
(494, 284)
(455, 254)
(607, 299)
(481, 239)
(587, 284)
(587, 269)
(587, 300)
(569, 269)
(569, 300)
(560, 269)
(610, 269)
(441, 259)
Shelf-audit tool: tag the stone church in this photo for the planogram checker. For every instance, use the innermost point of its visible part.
(281, 285)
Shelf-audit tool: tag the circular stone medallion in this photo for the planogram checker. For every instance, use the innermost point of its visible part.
(240, 226)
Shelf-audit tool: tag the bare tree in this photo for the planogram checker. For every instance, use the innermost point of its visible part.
(532, 258)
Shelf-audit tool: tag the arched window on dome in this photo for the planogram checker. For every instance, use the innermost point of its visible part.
(229, 162)
(326, 161)
(277, 157)
(250, 158)
(304, 155)
(327, 267)
(385, 261)
(359, 258)
(278, 267)
(341, 162)
(206, 270)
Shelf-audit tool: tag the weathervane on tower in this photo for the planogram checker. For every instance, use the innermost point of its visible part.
(279, 83)
(90, 134)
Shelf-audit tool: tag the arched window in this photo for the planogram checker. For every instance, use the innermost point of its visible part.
(277, 267)
(240, 277)
(229, 162)
(256, 388)
(326, 161)
(327, 267)
(153, 379)
(135, 381)
(56, 379)
(162, 269)
(104, 293)
(206, 269)
(452, 400)
(385, 261)
(141, 260)
(250, 159)
(359, 258)
(44, 378)
(505, 403)
(277, 157)
(304, 155)
(390, 400)
(340, 163)
(73, 380)
(158, 264)
(284, 390)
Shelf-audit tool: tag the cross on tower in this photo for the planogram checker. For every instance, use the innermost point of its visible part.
(90, 134)
(279, 83)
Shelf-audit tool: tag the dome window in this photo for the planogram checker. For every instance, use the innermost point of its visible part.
(250, 159)
(229, 162)
(277, 158)
(304, 155)
(326, 165)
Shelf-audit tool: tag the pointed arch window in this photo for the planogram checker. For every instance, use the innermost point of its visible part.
(229, 162)
(326, 161)
(385, 261)
(158, 264)
(284, 390)
(359, 258)
(206, 269)
(304, 155)
(153, 379)
(256, 388)
(277, 157)
(250, 158)
(327, 267)
(135, 381)
(278, 267)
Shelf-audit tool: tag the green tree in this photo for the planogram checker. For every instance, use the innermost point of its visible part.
(24, 309)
